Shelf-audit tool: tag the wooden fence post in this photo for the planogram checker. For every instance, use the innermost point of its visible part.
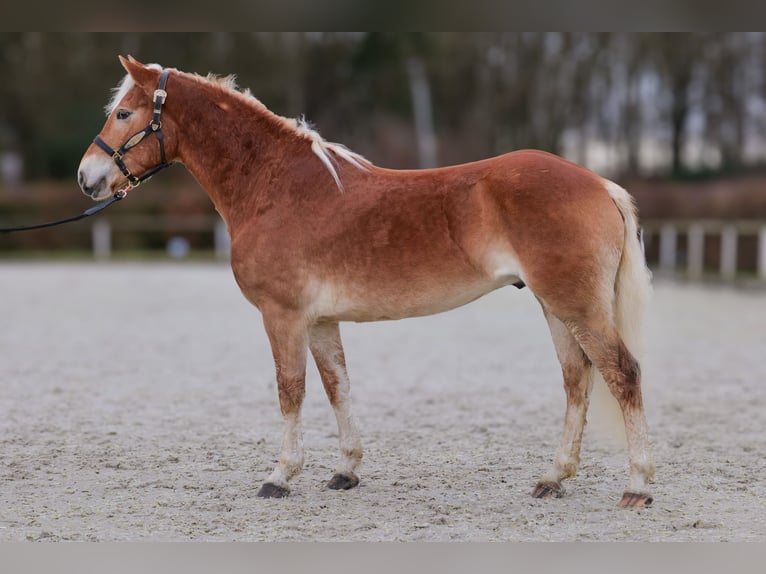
(668, 247)
(222, 240)
(728, 252)
(102, 239)
(762, 252)
(696, 251)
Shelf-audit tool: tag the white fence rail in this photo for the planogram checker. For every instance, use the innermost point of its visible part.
(671, 259)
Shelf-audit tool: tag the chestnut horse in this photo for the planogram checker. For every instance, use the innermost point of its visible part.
(320, 235)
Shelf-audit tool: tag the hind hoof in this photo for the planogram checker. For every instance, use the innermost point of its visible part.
(343, 481)
(546, 490)
(636, 500)
(271, 490)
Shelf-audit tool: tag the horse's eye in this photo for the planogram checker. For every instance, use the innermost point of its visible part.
(123, 114)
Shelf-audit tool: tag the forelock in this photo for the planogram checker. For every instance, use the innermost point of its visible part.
(122, 89)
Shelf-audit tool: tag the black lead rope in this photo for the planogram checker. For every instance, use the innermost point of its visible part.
(87, 213)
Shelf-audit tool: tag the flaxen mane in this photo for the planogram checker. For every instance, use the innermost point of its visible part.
(324, 150)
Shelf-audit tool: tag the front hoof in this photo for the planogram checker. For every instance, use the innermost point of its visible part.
(636, 500)
(548, 490)
(343, 481)
(271, 490)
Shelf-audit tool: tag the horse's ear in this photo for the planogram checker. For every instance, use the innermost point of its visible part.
(144, 76)
(126, 62)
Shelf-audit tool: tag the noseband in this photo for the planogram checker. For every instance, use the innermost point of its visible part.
(155, 126)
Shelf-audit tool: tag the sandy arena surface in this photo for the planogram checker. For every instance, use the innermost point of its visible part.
(138, 402)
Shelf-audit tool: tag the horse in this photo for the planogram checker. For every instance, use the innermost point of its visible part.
(320, 235)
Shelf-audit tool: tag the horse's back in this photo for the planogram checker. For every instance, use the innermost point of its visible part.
(530, 186)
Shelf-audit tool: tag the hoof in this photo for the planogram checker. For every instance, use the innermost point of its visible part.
(635, 500)
(271, 490)
(343, 481)
(548, 490)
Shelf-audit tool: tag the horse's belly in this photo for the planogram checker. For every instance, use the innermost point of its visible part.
(396, 301)
(401, 291)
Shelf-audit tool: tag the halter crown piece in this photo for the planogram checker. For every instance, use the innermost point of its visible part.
(155, 127)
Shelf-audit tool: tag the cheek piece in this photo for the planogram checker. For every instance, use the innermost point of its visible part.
(155, 127)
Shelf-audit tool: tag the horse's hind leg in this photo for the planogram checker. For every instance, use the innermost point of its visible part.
(605, 348)
(577, 371)
(327, 349)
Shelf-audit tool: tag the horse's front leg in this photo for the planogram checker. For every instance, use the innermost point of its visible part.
(327, 349)
(288, 335)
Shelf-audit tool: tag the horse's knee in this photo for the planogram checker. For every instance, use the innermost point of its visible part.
(291, 393)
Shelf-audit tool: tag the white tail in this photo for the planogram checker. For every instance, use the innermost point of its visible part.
(632, 292)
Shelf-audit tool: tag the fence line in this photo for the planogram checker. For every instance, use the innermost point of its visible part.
(668, 233)
(671, 258)
(103, 229)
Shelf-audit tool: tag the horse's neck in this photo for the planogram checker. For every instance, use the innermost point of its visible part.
(232, 148)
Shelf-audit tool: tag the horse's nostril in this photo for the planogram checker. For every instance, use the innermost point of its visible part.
(80, 178)
(91, 190)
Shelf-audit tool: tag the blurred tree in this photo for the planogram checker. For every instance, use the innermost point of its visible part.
(733, 80)
(643, 102)
(675, 57)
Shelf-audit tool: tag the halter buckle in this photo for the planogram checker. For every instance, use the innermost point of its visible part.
(160, 95)
(116, 156)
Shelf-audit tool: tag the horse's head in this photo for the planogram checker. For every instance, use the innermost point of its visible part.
(134, 142)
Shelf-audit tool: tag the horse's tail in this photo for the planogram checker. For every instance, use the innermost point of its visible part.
(633, 287)
(632, 291)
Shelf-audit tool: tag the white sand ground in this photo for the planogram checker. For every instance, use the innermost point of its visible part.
(137, 402)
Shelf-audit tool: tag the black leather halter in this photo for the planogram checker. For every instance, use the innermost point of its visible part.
(155, 126)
